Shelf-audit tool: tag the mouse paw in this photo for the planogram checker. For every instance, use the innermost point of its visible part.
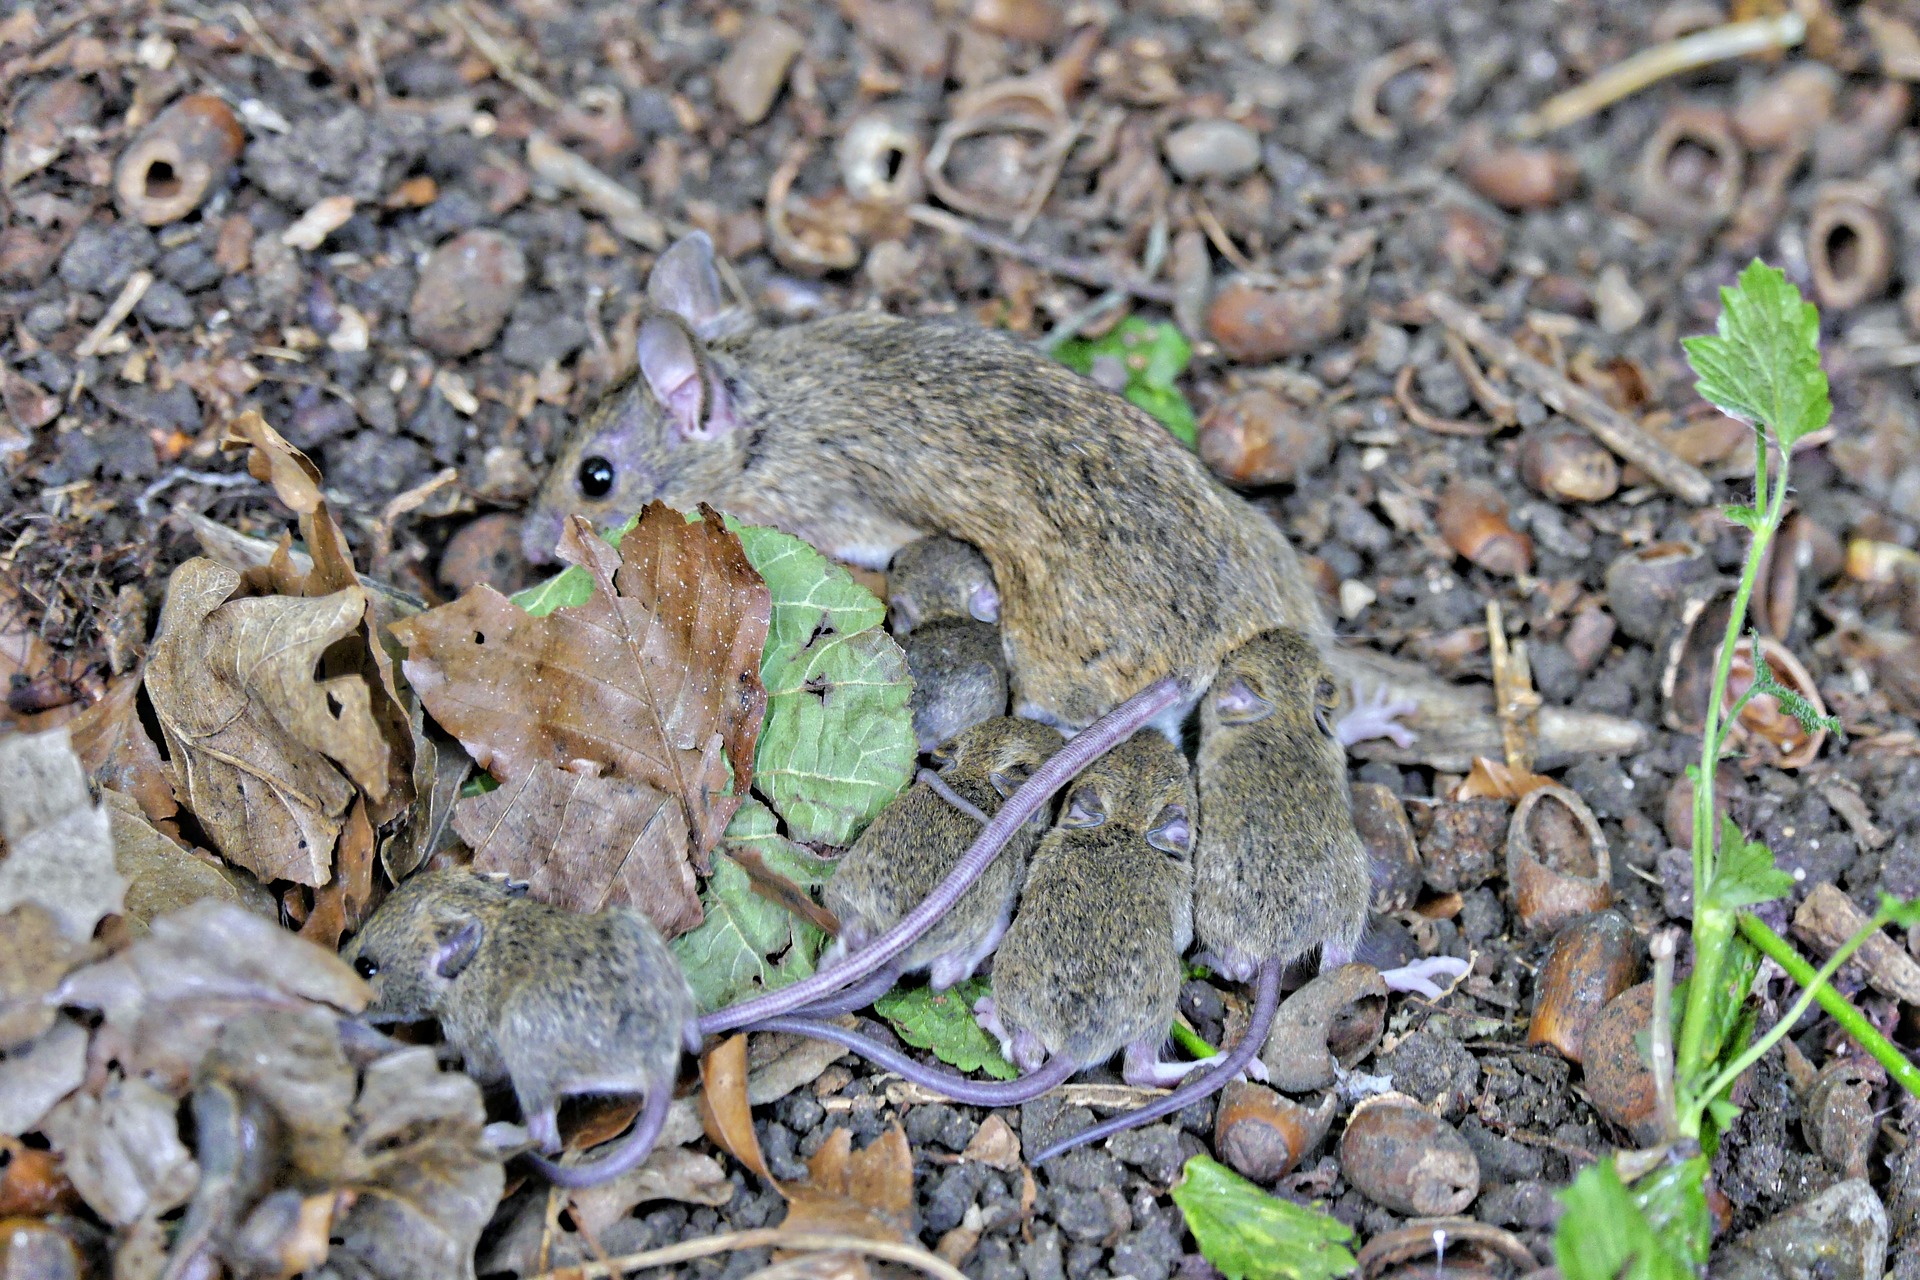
(988, 1016)
(1256, 1071)
(1419, 976)
(1376, 714)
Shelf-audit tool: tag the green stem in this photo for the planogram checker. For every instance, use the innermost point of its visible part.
(1189, 1039)
(1710, 934)
(1851, 1020)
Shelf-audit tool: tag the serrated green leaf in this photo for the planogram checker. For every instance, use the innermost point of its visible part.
(1763, 364)
(740, 948)
(1723, 1113)
(1745, 875)
(1803, 711)
(1611, 1232)
(1250, 1235)
(943, 1024)
(1746, 517)
(1155, 355)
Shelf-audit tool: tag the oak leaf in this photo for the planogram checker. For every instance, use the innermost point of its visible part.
(655, 678)
(265, 755)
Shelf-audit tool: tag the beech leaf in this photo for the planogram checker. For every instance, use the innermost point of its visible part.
(59, 842)
(655, 678)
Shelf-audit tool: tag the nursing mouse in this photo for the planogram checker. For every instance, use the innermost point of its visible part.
(943, 604)
(548, 1001)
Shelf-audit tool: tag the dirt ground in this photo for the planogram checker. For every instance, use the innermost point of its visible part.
(1009, 160)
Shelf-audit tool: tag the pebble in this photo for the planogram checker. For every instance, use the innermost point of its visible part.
(1081, 1214)
(1043, 1257)
(487, 550)
(164, 306)
(1434, 1068)
(1257, 322)
(466, 291)
(1840, 1234)
(1213, 149)
(942, 1125)
(949, 1195)
(102, 257)
(1156, 1150)
(749, 79)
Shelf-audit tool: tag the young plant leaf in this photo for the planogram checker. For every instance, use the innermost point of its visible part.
(1250, 1235)
(1154, 356)
(746, 945)
(1905, 914)
(1763, 366)
(943, 1024)
(1745, 875)
(1764, 681)
(1608, 1233)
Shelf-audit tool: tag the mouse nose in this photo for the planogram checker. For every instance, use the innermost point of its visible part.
(540, 534)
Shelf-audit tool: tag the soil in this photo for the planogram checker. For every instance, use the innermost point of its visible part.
(386, 363)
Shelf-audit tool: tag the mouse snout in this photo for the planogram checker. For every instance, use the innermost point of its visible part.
(540, 534)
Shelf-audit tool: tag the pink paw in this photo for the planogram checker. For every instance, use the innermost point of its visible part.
(1418, 977)
(1376, 715)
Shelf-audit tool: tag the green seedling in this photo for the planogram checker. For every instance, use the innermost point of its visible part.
(1250, 1235)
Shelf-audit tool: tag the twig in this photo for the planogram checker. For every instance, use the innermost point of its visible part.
(621, 208)
(1608, 425)
(499, 57)
(1734, 40)
(401, 505)
(1514, 700)
(1420, 417)
(776, 1237)
(1662, 949)
(130, 294)
(1085, 271)
(1077, 323)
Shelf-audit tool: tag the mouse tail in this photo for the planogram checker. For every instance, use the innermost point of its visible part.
(1055, 1072)
(1104, 734)
(628, 1154)
(1266, 1002)
(858, 996)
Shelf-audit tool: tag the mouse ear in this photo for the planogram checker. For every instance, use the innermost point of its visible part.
(685, 282)
(457, 942)
(984, 603)
(1084, 809)
(1008, 780)
(674, 370)
(1239, 704)
(1173, 831)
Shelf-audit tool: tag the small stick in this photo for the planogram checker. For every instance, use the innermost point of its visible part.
(777, 1237)
(130, 294)
(1733, 40)
(621, 208)
(499, 57)
(1514, 700)
(1098, 274)
(1608, 425)
(1661, 1031)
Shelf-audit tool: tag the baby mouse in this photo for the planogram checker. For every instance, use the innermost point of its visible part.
(1091, 964)
(933, 578)
(915, 842)
(553, 1003)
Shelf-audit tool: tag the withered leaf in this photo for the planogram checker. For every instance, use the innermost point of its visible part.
(34, 1078)
(652, 677)
(586, 842)
(34, 957)
(1491, 779)
(59, 842)
(162, 876)
(114, 747)
(123, 1150)
(258, 744)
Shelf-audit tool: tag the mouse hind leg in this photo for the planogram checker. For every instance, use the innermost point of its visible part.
(959, 965)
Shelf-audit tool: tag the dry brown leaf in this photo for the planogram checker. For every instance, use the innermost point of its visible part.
(118, 754)
(675, 1173)
(34, 957)
(725, 1113)
(995, 1145)
(651, 678)
(262, 751)
(122, 1150)
(586, 842)
(341, 906)
(163, 876)
(864, 1193)
(59, 842)
(1490, 779)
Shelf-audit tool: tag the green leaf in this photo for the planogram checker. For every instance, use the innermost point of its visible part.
(1764, 681)
(741, 948)
(1749, 518)
(573, 585)
(1745, 875)
(1763, 364)
(1656, 1231)
(1155, 355)
(1905, 914)
(1250, 1235)
(837, 744)
(943, 1024)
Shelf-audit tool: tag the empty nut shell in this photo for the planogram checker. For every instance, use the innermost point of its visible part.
(1257, 322)
(1518, 178)
(1473, 519)
(178, 159)
(1392, 855)
(1568, 465)
(1838, 1117)
(1677, 816)
(1558, 865)
(1263, 1134)
(1335, 1019)
(1691, 170)
(1404, 1158)
(1255, 437)
(1591, 961)
(1645, 586)
(1692, 650)
(880, 160)
(1619, 1082)
(1849, 249)
(1468, 1248)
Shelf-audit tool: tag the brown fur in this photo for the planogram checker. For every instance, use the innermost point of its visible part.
(1279, 868)
(1091, 963)
(1119, 559)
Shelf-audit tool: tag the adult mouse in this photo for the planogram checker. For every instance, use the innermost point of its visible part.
(553, 1003)
(915, 842)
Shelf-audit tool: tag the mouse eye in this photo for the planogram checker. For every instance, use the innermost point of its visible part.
(596, 477)
(366, 966)
(1326, 693)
